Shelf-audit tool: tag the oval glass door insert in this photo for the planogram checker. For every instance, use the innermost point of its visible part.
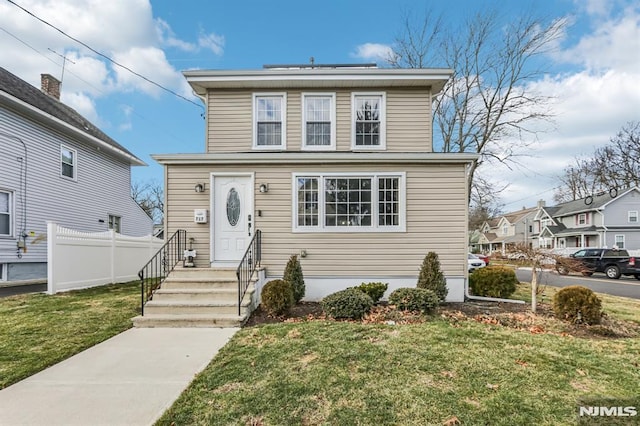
(233, 207)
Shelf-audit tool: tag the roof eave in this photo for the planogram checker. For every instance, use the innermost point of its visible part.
(32, 111)
(314, 158)
(203, 80)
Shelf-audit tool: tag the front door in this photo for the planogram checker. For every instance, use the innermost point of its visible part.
(232, 218)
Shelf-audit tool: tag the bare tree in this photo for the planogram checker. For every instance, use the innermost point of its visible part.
(488, 106)
(611, 166)
(485, 202)
(150, 197)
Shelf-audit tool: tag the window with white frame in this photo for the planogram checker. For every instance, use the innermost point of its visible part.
(6, 213)
(633, 216)
(368, 120)
(269, 112)
(318, 121)
(505, 229)
(115, 223)
(619, 241)
(582, 219)
(3, 272)
(68, 162)
(336, 202)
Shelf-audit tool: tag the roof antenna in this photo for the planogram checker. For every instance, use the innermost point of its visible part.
(312, 60)
(64, 62)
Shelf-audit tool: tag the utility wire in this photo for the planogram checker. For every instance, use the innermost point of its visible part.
(105, 56)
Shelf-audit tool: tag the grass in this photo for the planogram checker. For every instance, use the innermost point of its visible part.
(325, 372)
(38, 330)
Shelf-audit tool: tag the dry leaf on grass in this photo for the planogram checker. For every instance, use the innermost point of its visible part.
(451, 421)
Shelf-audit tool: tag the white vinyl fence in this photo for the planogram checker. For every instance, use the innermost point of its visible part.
(87, 259)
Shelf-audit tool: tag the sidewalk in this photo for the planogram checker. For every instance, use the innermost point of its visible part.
(130, 379)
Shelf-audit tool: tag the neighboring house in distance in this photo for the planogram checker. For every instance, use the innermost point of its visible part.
(501, 234)
(333, 163)
(598, 221)
(56, 166)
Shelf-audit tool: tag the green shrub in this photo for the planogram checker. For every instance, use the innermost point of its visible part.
(293, 275)
(577, 304)
(414, 299)
(431, 276)
(493, 281)
(374, 290)
(277, 297)
(350, 303)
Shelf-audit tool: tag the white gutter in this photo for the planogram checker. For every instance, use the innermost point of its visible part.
(344, 157)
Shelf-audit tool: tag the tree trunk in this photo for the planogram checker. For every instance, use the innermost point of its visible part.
(534, 290)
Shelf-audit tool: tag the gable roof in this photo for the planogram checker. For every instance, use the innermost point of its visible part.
(51, 107)
(579, 206)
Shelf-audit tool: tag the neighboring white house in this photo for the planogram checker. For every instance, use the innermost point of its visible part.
(56, 166)
(333, 163)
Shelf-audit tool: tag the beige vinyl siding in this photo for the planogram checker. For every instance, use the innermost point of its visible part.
(436, 221)
(229, 121)
(409, 121)
(408, 117)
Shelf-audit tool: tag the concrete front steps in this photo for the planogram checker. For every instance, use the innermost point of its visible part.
(197, 297)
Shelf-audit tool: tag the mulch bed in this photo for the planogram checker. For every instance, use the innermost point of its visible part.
(512, 315)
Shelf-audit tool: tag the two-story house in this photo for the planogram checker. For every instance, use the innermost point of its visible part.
(56, 166)
(605, 220)
(332, 163)
(503, 233)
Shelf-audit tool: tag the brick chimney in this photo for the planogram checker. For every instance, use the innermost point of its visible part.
(50, 85)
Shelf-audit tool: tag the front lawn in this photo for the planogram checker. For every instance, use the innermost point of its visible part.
(37, 330)
(451, 369)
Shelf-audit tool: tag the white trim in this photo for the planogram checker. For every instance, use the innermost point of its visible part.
(374, 176)
(615, 241)
(3, 271)
(283, 121)
(74, 165)
(630, 214)
(12, 214)
(212, 214)
(332, 144)
(383, 122)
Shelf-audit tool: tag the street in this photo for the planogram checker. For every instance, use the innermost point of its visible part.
(626, 286)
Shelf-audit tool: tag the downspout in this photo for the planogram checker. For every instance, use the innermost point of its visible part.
(467, 296)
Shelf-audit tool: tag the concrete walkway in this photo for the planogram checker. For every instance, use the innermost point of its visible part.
(130, 379)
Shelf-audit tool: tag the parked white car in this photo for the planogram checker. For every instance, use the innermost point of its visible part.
(474, 262)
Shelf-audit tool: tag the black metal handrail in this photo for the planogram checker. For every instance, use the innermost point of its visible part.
(247, 267)
(152, 274)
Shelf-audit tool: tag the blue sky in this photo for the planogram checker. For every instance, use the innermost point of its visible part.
(595, 72)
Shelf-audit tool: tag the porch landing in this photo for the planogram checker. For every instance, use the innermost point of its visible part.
(197, 297)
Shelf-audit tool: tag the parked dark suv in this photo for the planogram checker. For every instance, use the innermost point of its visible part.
(613, 263)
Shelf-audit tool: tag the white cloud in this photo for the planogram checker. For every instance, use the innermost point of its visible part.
(124, 30)
(373, 51)
(212, 42)
(615, 44)
(83, 104)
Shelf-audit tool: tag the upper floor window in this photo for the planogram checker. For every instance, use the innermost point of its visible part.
(6, 213)
(114, 223)
(68, 162)
(269, 115)
(546, 222)
(505, 229)
(368, 121)
(319, 121)
(633, 216)
(582, 219)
